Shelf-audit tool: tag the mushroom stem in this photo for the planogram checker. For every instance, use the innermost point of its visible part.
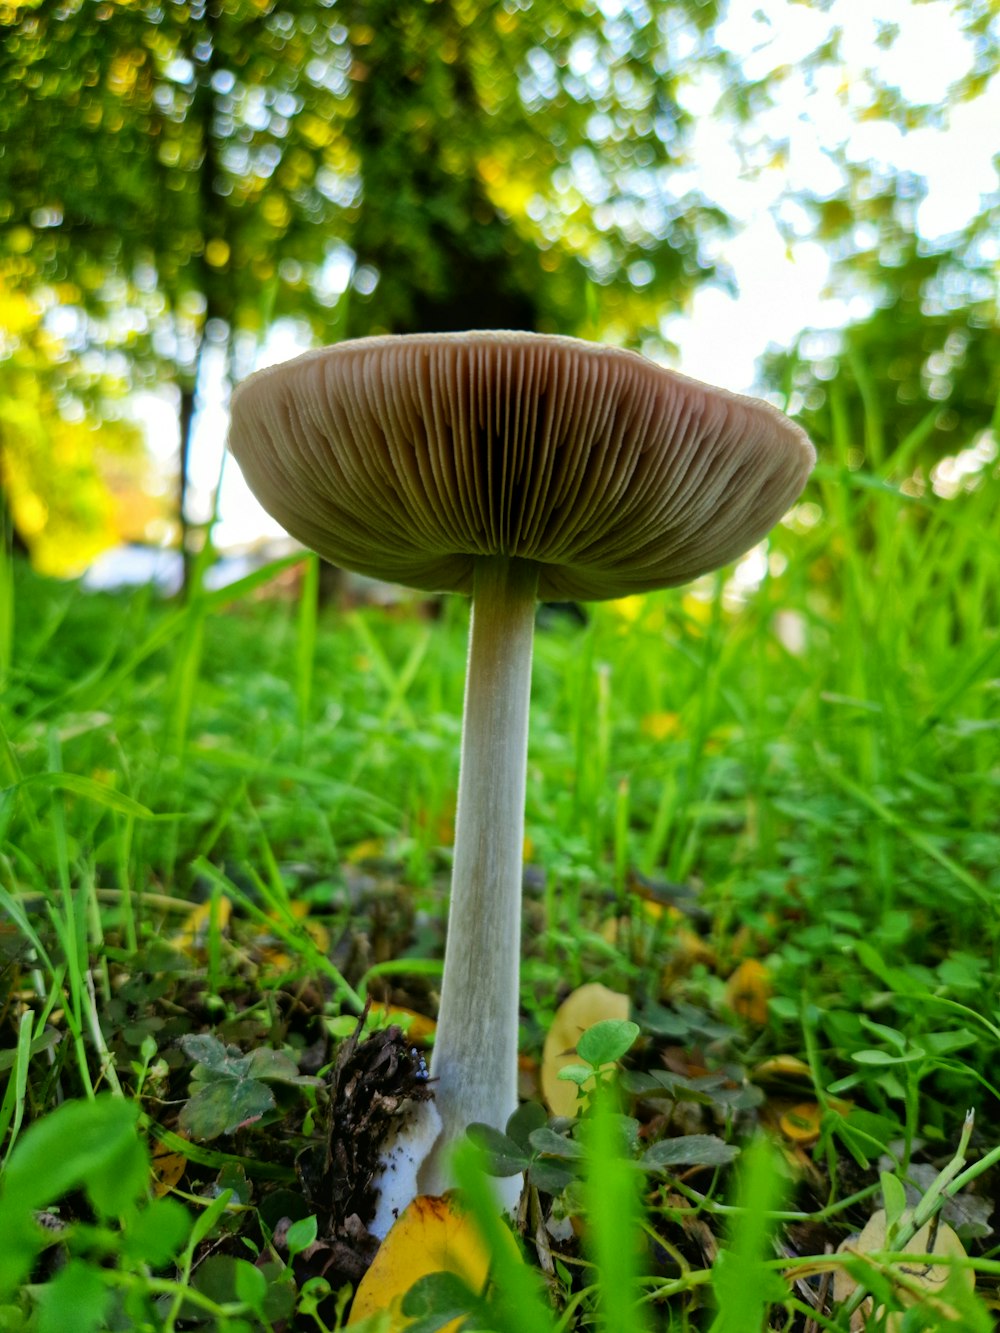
(474, 1064)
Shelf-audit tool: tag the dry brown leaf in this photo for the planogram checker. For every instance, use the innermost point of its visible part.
(580, 1010)
(431, 1236)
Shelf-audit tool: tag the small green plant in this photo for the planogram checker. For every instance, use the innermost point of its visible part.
(744, 1285)
(599, 1050)
(86, 1245)
(107, 1245)
(230, 1090)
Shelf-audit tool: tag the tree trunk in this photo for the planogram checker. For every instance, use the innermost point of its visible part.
(186, 424)
(211, 280)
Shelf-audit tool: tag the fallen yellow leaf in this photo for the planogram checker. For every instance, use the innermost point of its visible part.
(193, 934)
(431, 1236)
(925, 1281)
(801, 1123)
(748, 991)
(417, 1027)
(168, 1168)
(580, 1010)
(780, 1068)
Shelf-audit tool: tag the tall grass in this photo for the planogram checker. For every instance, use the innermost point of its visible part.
(811, 757)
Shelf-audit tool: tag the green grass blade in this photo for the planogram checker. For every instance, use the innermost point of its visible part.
(518, 1304)
(305, 647)
(744, 1288)
(12, 1110)
(612, 1184)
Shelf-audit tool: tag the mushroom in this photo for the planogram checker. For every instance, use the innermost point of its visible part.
(512, 466)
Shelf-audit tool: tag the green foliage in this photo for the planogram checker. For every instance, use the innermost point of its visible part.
(516, 1301)
(104, 1156)
(690, 1150)
(227, 153)
(744, 1288)
(93, 1147)
(916, 378)
(920, 366)
(138, 136)
(301, 1235)
(611, 1194)
(607, 1042)
(811, 770)
(230, 1090)
(549, 1158)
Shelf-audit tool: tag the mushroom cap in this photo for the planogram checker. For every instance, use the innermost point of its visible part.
(410, 457)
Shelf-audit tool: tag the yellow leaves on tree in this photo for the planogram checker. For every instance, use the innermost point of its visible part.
(72, 479)
(431, 1236)
(72, 484)
(18, 313)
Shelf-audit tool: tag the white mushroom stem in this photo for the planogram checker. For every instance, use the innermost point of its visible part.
(474, 1064)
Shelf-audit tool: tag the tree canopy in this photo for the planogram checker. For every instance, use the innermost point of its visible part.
(920, 367)
(178, 174)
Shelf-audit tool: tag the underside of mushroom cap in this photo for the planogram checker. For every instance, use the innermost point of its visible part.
(408, 458)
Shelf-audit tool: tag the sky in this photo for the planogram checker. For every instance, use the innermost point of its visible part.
(782, 287)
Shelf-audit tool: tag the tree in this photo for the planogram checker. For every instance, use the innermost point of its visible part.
(157, 167)
(196, 171)
(187, 173)
(921, 368)
(517, 165)
(71, 468)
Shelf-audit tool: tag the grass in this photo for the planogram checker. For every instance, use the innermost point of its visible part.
(770, 814)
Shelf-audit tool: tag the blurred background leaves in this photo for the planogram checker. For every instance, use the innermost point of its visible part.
(176, 177)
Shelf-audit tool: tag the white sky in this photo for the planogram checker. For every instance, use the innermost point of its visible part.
(781, 291)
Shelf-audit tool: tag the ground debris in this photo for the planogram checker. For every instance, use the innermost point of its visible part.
(372, 1084)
